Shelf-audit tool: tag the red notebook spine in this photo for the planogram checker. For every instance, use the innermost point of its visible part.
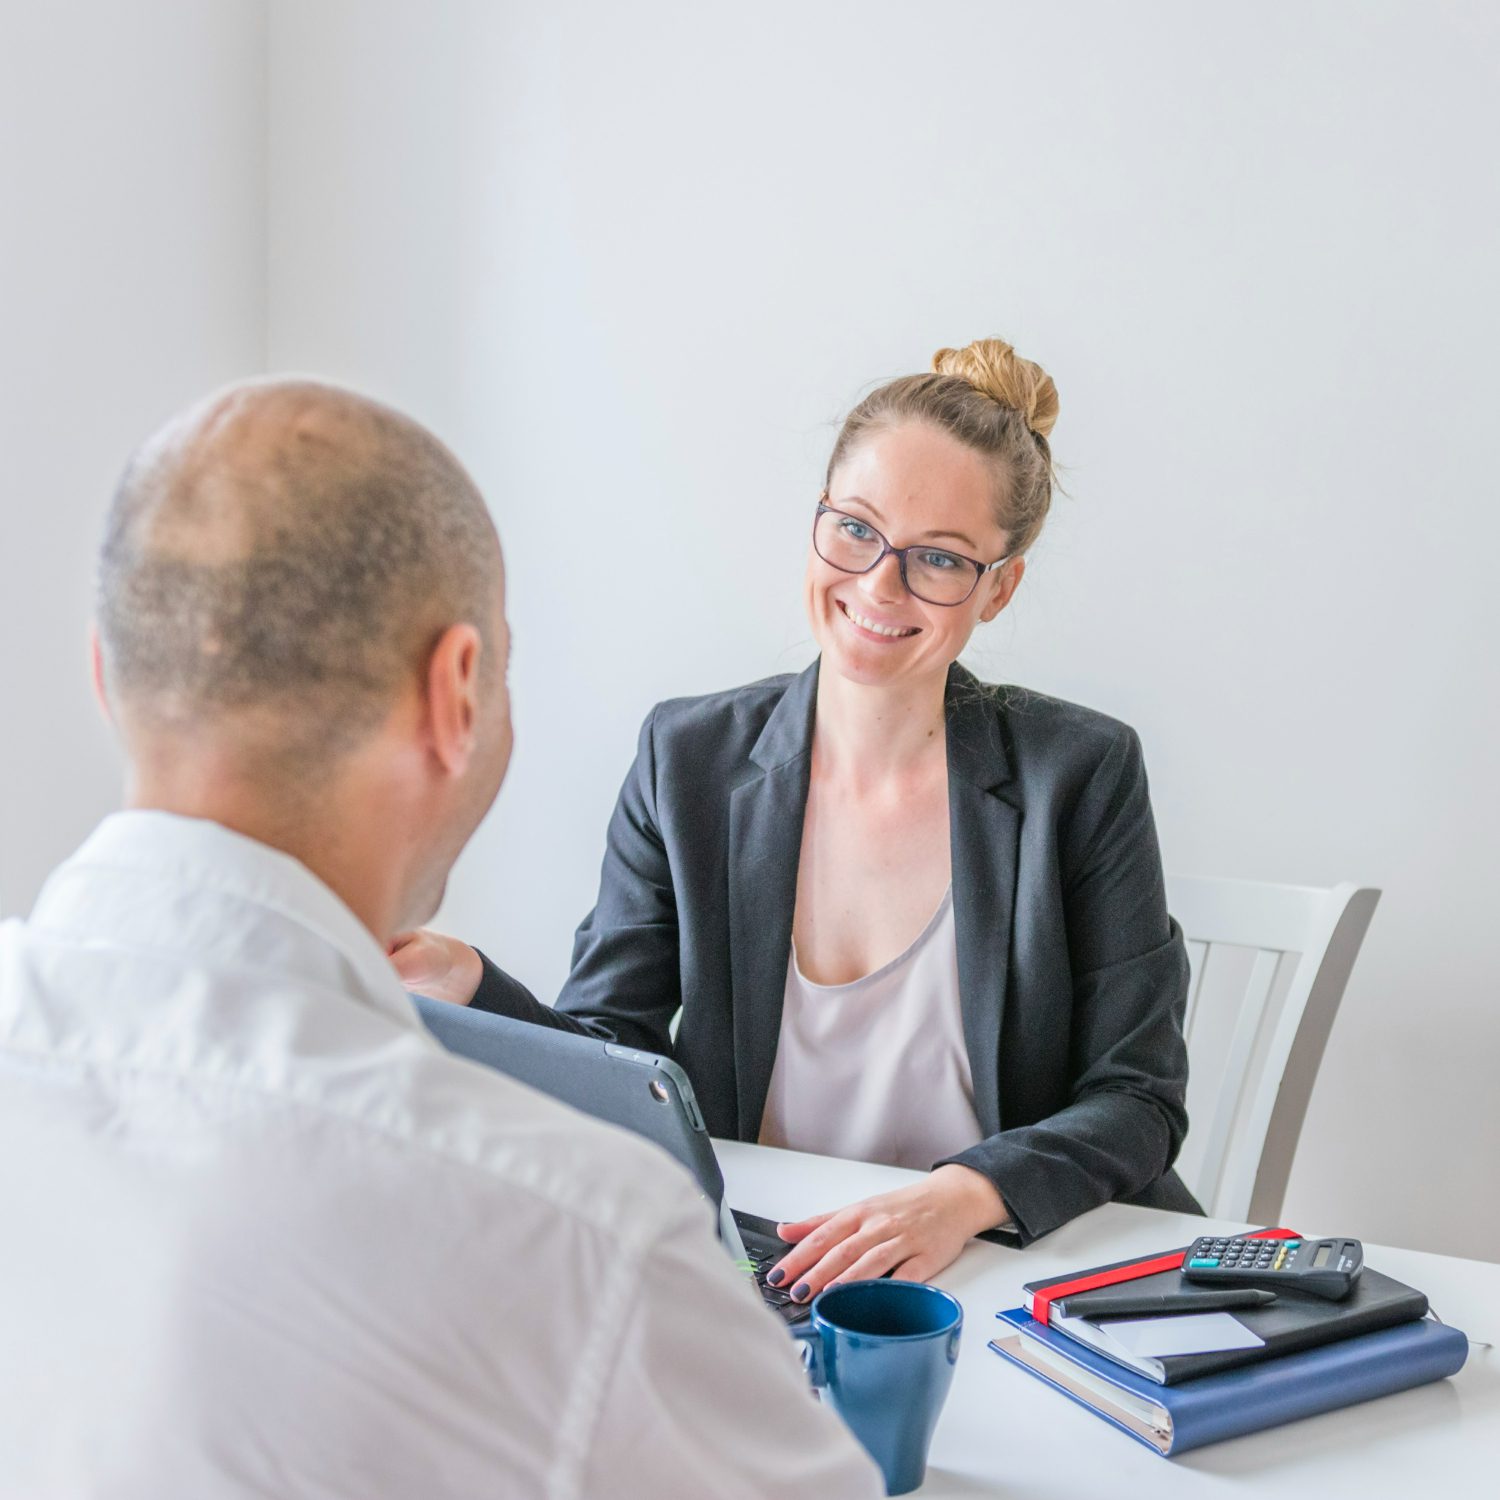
(1044, 1296)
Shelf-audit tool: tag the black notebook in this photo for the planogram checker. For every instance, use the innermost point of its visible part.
(1296, 1320)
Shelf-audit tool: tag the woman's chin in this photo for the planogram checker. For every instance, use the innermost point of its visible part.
(867, 665)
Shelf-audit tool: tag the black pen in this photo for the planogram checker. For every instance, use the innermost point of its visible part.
(1161, 1304)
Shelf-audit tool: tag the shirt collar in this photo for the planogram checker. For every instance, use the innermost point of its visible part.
(195, 853)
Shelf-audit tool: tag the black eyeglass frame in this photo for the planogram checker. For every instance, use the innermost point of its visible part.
(900, 554)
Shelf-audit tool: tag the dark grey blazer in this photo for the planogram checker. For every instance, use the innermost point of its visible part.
(1072, 977)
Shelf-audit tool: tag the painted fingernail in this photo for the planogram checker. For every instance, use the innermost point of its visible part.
(800, 1291)
(776, 1277)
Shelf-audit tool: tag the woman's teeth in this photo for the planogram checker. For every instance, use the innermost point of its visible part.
(875, 629)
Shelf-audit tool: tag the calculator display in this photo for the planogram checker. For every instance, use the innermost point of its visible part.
(1321, 1258)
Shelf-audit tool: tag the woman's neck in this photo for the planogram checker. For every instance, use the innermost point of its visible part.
(877, 733)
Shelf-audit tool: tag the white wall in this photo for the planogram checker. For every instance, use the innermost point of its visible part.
(132, 278)
(634, 260)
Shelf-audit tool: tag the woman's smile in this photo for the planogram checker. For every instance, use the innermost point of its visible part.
(872, 628)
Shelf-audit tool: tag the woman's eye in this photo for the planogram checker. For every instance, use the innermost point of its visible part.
(939, 562)
(856, 531)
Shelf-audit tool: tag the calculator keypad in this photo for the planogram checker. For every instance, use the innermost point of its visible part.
(1260, 1256)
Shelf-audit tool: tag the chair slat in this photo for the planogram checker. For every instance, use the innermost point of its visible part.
(1248, 1022)
(1197, 967)
(1254, 948)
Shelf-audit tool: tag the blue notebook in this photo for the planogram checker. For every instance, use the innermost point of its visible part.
(1173, 1418)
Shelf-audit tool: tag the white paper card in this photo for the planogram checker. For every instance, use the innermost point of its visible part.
(1191, 1333)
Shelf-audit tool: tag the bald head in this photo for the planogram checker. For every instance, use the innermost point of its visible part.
(283, 555)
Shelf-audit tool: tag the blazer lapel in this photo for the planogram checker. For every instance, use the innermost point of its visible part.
(985, 835)
(765, 844)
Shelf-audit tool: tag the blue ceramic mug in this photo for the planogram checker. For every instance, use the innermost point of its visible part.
(883, 1353)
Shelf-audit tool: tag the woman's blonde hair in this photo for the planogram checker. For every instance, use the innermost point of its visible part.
(992, 401)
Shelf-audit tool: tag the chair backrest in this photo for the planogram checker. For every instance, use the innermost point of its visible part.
(1269, 965)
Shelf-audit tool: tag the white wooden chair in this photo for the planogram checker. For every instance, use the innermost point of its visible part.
(1269, 965)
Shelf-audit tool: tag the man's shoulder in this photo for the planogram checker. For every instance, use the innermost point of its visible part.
(511, 1142)
(318, 1068)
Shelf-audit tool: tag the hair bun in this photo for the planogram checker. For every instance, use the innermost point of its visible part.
(992, 366)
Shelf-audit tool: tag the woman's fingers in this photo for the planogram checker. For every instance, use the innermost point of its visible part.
(840, 1256)
(416, 958)
(918, 1230)
(817, 1242)
(810, 1246)
(874, 1263)
(439, 967)
(802, 1270)
(801, 1228)
(921, 1267)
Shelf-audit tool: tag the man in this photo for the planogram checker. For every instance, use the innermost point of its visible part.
(262, 1235)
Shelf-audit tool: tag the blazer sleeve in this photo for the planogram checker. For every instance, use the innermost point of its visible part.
(626, 976)
(1127, 1059)
(502, 995)
(625, 981)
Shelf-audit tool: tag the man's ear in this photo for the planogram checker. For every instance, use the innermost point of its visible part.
(453, 696)
(1010, 581)
(96, 668)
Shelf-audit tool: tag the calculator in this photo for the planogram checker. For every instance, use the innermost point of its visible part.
(1326, 1268)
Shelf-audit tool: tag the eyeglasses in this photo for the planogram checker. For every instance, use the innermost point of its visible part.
(930, 573)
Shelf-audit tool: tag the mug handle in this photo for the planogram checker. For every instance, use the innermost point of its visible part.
(812, 1353)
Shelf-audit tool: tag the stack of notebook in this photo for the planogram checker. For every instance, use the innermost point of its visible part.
(1298, 1356)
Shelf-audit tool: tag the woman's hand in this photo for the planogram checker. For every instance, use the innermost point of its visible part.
(915, 1231)
(428, 963)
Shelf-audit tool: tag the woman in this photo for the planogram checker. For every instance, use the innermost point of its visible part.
(907, 917)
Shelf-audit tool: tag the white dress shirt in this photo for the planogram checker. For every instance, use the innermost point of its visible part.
(877, 1069)
(263, 1237)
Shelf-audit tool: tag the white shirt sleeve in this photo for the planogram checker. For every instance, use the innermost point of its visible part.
(707, 1395)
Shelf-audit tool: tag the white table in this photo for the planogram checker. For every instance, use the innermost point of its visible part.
(1003, 1432)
